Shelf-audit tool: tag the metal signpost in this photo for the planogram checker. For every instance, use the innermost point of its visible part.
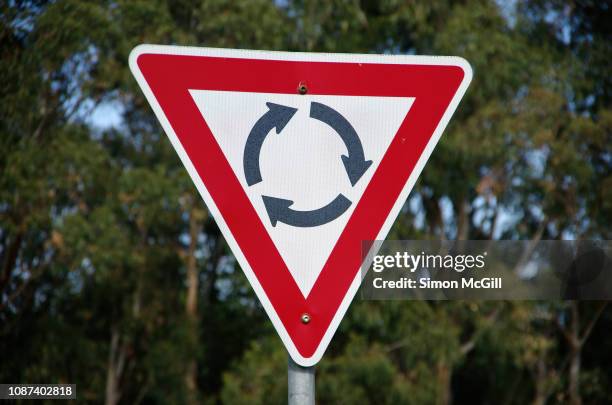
(301, 158)
(300, 384)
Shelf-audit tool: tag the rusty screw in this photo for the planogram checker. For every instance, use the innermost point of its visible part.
(302, 88)
(305, 318)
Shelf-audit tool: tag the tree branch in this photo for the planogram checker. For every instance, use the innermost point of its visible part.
(587, 332)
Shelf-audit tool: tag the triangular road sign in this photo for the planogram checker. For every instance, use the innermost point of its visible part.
(300, 158)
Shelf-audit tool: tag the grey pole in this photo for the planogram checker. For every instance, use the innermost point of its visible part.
(301, 384)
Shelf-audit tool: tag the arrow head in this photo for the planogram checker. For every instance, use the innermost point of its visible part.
(280, 115)
(276, 207)
(355, 168)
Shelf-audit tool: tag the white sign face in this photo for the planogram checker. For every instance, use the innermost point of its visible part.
(302, 163)
(301, 158)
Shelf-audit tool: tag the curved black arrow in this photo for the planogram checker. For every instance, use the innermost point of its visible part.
(277, 117)
(355, 163)
(279, 211)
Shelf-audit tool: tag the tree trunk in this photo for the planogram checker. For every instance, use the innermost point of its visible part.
(575, 340)
(463, 224)
(463, 220)
(119, 346)
(116, 361)
(541, 383)
(574, 378)
(530, 247)
(575, 348)
(433, 215)
(444, 374)
(10, 260)
(191, 305)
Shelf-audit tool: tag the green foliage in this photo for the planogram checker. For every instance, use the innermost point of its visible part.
(260, 377)
(96, 224)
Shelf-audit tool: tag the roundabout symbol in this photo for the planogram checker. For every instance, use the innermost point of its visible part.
(354, 163)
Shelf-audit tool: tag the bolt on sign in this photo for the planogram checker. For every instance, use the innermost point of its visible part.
(300, 157)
